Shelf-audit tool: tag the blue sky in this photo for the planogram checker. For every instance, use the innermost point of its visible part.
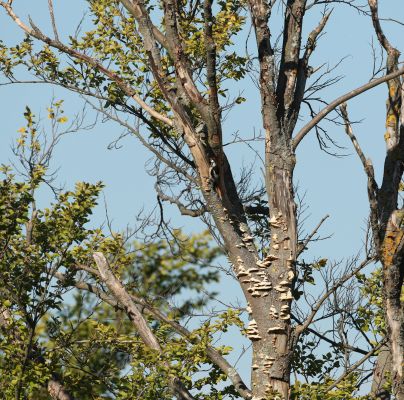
(335, 186)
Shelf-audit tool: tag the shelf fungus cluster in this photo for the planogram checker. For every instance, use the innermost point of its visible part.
(277, 221)
(259, 284)
(284, 289)
(259, 288)
(252, 330)
(283, 314)
(268, 362)
(273, 313)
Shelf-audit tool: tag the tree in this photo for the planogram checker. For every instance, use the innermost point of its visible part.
(168, 64)
(43, 252)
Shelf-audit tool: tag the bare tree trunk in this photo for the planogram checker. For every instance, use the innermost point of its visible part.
(280, 106)
(272, 354)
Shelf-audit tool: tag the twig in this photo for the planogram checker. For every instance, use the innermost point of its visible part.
(353, 367)
(307, 240)
(302, 327)
(181, 207)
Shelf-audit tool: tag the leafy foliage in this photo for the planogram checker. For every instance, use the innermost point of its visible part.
(50, 328)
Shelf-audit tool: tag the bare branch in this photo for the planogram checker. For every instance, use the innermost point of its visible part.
(337, 102)
(52, 16)
(373, 189)
(309, 237)
(136, 317)
(313, 36)
(119, 292)
(302, 327)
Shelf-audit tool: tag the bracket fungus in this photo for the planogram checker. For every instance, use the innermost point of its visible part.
(287, 296)
(273, 313)
(252, 330)
(276, 329)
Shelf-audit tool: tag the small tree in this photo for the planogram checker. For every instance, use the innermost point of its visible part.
(170, 75)
(44, 336)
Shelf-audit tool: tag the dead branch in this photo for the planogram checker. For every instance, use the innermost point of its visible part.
(52, 17)
(342, 99)
(381, 37)
(310, 237)
(136, 317)
(373, 188)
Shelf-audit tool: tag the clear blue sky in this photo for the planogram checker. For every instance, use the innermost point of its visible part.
(335, 186)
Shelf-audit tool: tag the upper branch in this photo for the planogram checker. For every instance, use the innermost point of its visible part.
(288, 71)
(374, 11)
(214, 126)
(52, 16)
(337, 102)
(260, 13)
(304, 70)
(35, 32)
(177, 52)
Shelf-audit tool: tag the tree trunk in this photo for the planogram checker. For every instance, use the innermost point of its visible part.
(272, 353)
(391, 231)
(393, 271)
